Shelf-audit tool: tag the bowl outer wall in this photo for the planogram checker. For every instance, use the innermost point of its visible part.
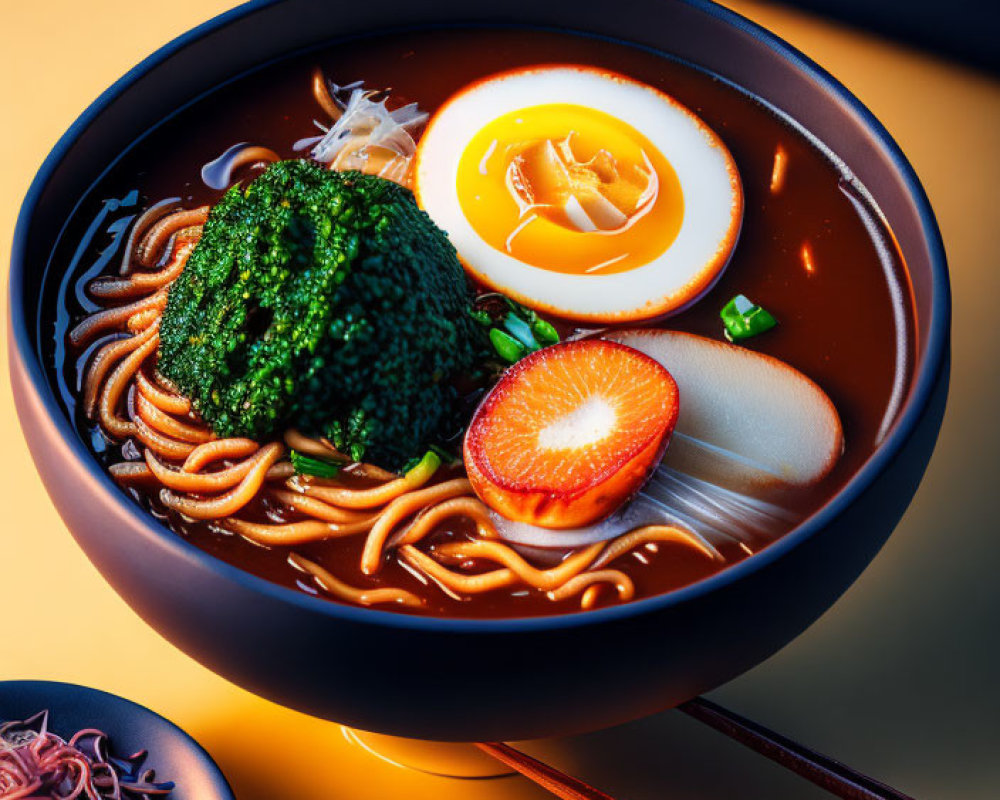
(494, 679)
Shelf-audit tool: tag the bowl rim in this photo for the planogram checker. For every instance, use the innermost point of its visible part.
(928, 366)
(67, 693)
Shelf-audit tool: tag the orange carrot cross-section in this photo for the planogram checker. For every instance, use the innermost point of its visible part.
(570, 433)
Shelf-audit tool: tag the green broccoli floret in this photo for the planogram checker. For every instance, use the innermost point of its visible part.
(325, 301)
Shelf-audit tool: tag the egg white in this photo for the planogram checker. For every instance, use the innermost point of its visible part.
(713, 197)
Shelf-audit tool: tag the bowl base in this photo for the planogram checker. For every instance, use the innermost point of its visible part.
(447, 759)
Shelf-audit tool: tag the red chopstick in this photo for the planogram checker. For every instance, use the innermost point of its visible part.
(558, 783)
(833, 776)
(825, 772)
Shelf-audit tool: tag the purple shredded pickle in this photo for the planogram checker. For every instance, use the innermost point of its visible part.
(36, 763)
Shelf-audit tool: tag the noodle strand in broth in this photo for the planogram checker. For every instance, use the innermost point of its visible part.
(422, 541)
(204, 477)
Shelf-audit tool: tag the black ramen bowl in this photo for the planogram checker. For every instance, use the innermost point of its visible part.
(492, 679)
(130, 728)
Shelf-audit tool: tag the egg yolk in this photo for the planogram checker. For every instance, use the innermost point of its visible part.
(570, 189)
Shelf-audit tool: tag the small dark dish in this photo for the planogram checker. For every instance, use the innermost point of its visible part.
(480, 679)
(130, 728)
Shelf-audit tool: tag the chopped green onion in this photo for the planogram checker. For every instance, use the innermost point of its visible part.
(411, 464)
(521, 331)
(317, 467)
(544, 331)
(446, 456)
(481, 317)
(507, 347)
(514, 332)
(424, 468)
(523, 312)
(744, 319)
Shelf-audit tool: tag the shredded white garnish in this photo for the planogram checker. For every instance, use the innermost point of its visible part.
(371, 122)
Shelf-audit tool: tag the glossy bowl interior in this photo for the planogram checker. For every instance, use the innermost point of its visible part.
(488, 679)
(130, 728)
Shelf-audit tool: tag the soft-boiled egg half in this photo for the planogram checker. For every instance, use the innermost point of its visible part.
(581, 192)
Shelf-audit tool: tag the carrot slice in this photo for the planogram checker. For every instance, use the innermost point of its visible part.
(570, 433)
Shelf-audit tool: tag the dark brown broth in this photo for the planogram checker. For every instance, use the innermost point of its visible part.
(837, 323)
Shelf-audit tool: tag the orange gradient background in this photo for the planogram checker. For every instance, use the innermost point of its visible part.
(898, 680)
